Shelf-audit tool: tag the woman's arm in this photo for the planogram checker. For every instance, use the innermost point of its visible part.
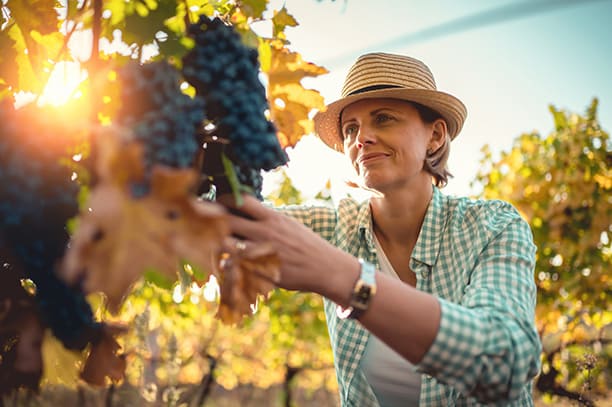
(485, 347)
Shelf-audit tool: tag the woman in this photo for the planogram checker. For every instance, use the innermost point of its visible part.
(429, 298)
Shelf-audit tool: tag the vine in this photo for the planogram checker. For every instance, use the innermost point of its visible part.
(90, 202)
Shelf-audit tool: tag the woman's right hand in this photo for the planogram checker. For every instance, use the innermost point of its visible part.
(307, 261)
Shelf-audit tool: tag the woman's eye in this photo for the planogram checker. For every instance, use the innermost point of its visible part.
(349, 130)
(383, 118)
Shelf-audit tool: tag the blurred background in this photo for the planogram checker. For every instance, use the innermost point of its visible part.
(506, 60)
(535, 77)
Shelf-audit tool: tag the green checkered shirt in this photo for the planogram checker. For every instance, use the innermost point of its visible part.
(477, 257)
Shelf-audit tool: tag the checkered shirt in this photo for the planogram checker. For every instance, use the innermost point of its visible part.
(477, 257)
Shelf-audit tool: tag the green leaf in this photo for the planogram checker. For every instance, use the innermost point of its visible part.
(39, 15)
(8, 67)
(198, 273)
(146, 20)
(232, 178)
(254, 8)
(27, 81)
(281, 20)
(117, 9)
(559, 118)
(72, 7)
(159, 279)
(173, 47)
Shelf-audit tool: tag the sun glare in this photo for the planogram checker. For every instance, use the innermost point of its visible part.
(63, 84)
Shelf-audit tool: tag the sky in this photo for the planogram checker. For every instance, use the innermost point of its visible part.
(507, 66)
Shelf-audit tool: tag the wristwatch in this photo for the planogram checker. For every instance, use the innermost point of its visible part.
(364, 290)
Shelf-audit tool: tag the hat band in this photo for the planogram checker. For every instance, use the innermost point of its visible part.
(371, 88)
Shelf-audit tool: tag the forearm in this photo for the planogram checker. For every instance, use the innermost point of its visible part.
(404, 318)
(480, 350)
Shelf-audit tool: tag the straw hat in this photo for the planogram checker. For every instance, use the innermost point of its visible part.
(380, 75)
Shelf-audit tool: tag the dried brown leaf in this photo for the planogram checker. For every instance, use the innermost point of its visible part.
(118, 237)
(246, 275)
(104, 360)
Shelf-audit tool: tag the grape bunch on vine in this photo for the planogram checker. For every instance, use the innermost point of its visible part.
(88, 204)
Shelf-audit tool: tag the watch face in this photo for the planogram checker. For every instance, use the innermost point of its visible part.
(361, 296)
(363, 291)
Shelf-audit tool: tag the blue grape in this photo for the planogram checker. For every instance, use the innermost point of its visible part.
(160, 115)
(226, 73)
(37, 198)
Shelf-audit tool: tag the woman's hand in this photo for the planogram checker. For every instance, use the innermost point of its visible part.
(307, 261)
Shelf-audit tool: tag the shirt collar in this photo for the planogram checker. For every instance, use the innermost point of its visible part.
(428, 243)
(427, 246)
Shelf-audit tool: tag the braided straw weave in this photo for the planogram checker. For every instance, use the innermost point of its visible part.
(381, 75)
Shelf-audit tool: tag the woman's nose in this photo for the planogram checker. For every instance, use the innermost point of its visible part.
(365, 136)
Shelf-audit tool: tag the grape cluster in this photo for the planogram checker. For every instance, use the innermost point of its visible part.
(37, 198)
(160, 114)
(226, 73)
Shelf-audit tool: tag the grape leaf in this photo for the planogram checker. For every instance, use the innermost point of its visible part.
(142, 23)
(8, 67)
(119, 237)
(38, 15)
(254, 8)
(28, 80)
(245, 275)
(103, 359)
(288, 67)
(281, 20)
(292, 120)
(286, 71)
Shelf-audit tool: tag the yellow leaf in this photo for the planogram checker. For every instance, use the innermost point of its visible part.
(287, 121)
(294, 92)
(290, 107)
(289, 67)
(265, 55)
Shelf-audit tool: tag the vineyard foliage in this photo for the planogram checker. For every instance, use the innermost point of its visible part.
(109, 194)
(562, 184)
(83, 87)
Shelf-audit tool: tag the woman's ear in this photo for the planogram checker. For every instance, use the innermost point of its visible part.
(438, 135)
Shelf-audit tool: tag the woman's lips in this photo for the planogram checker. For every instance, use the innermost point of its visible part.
(371, 157)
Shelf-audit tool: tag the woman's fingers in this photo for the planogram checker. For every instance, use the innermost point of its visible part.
(245, 228)
(250, 208)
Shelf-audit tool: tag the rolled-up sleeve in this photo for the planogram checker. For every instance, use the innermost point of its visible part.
(487, 346)
(320, 219)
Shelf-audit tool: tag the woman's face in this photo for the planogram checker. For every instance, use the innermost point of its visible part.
(387, 141)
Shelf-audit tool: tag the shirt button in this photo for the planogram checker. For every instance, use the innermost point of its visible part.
(425, 272)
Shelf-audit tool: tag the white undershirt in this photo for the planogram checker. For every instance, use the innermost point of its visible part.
(393, 378)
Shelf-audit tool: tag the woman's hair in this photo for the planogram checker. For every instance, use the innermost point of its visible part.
(435, 161)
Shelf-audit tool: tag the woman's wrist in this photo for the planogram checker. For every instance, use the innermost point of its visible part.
(342, 275)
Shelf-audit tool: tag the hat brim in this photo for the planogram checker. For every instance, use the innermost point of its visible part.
(327, 122)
